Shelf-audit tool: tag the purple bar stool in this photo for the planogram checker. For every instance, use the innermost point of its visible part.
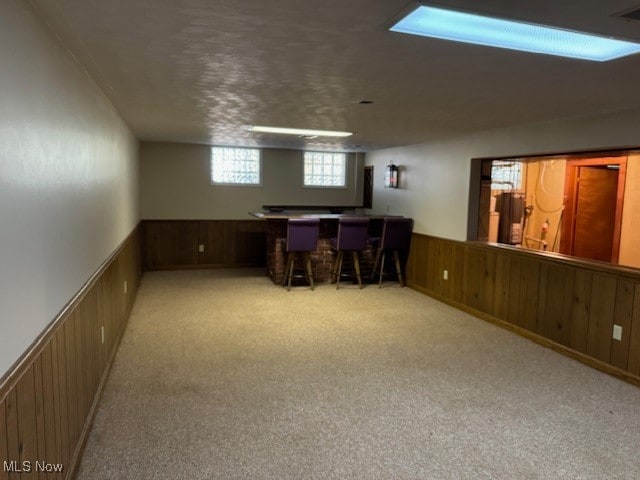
(352, 236)
(302, 237)
(396, 236)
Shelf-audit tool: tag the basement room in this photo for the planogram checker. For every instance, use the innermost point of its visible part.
(293, 240)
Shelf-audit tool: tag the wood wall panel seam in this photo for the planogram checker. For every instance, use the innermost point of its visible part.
(13, 440)
(515, 267)
(26, 413)
(64, 401)
(623, 316)
(603, 292)
(580, 312)
(3, 439)
(48, 405)
(501, 292)
(72, 391)
(634, 341)
(39, 406)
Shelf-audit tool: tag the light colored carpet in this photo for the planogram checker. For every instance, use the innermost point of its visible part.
(222, 375)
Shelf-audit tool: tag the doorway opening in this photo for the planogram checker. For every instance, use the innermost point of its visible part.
(367, 191)
(574, 204)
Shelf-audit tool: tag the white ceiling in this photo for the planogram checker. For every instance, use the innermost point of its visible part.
(202, 70)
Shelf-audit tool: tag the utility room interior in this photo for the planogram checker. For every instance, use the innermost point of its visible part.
(581, 205)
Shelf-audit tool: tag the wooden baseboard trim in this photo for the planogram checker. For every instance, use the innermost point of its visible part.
(534, 337)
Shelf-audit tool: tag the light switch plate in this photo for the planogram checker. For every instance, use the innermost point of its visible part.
(617, 332)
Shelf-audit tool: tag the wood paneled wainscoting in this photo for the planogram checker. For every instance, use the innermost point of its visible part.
(567, 304)
(175, 244)
(48, 399)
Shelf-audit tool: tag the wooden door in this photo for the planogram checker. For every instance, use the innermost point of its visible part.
(595, 213)
(367, 191)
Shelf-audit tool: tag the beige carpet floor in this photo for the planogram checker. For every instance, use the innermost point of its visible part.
(222, 375)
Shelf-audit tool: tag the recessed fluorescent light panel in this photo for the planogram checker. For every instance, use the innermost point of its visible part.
(299, 131)
(493, 32)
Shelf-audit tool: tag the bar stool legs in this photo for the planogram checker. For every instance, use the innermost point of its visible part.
(336, 273)
(288, 270)
(356, 266)
(352, 237)
(381, 270)
(337, 269)
(302, 237)
(308, 271)
(398, 267)
(378, 261)
(396, 236)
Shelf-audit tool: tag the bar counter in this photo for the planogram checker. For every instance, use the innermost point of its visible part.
(323, 257)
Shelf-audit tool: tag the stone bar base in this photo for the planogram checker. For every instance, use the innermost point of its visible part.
(322, 258)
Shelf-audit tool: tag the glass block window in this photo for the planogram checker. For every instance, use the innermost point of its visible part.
(233, 165)
(506, 175)
(325, 169)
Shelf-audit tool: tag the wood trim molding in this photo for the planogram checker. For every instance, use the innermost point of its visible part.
(10, 378)
(551, 257)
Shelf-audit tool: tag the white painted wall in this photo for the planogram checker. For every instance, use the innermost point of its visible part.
(175, 184)
(68, 178)
(435, 176)
(545, 192)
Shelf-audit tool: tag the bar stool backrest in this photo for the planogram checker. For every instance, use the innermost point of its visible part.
(302, 234)
(396, 233)
(352, 233)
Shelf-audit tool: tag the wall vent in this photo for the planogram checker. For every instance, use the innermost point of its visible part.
(629, 14)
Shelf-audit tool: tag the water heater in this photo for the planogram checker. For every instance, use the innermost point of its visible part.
(510, 206)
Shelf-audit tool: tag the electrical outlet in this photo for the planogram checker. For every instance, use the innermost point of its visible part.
(617, 332)
(102, 333)
(125, 286)
(201, 248)
(445, 274)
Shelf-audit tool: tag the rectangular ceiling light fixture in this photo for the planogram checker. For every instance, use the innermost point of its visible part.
(494, 32)
(299, 131)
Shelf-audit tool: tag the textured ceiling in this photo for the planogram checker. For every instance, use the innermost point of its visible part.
(202, 70)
